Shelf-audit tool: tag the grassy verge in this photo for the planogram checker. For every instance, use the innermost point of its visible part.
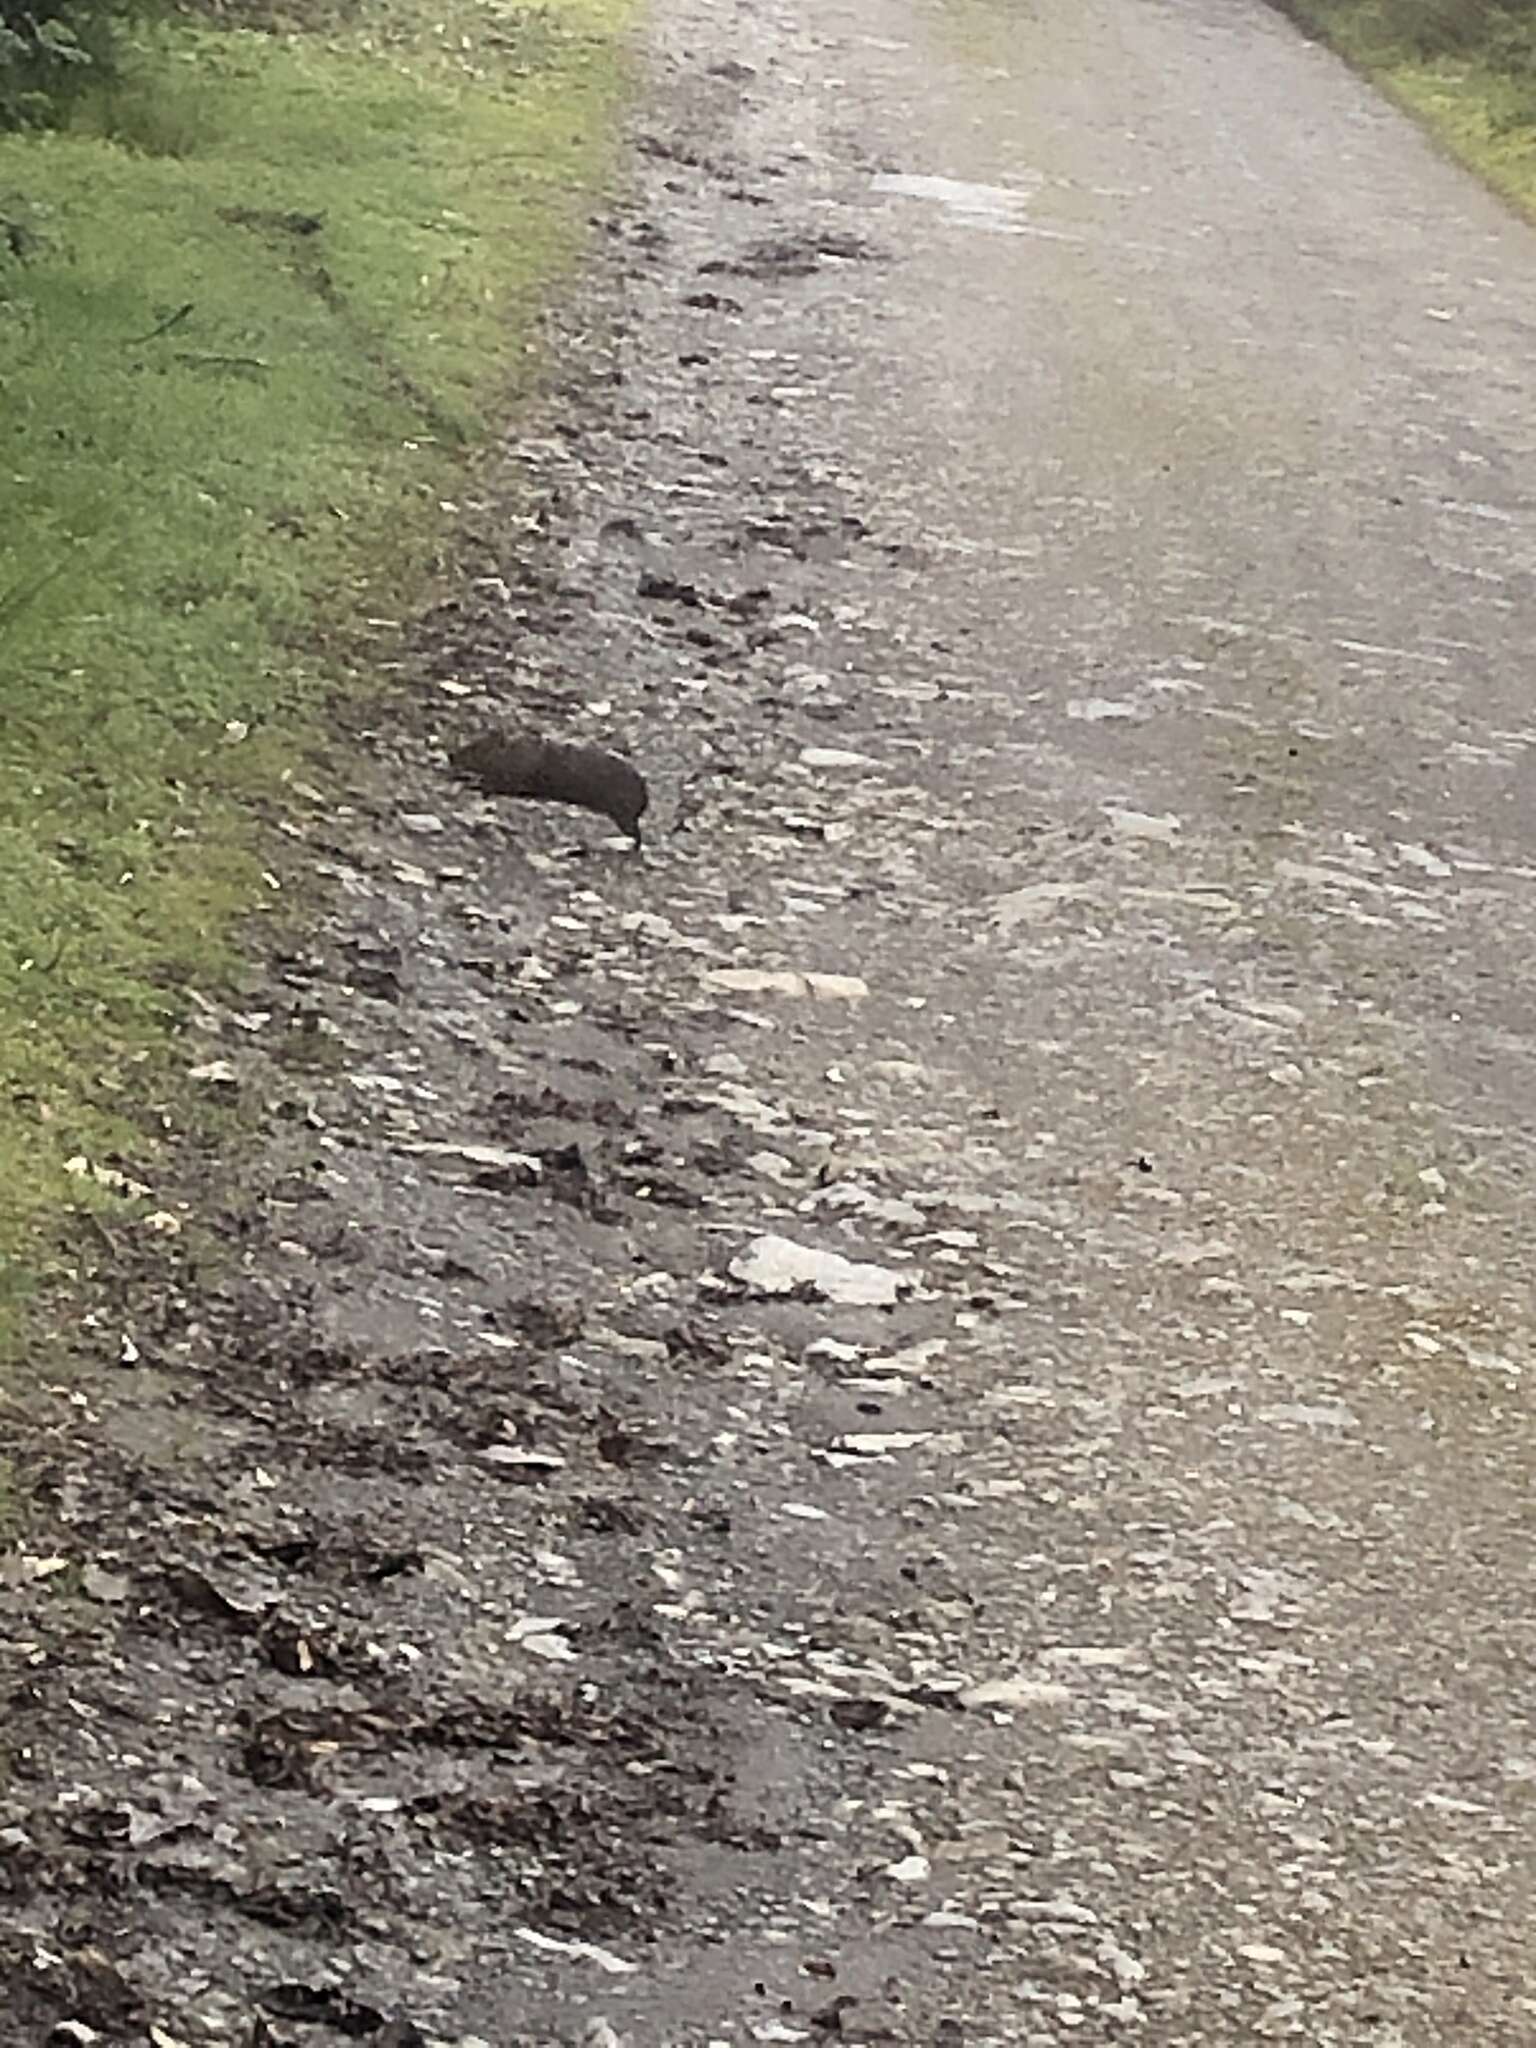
(258, 302)
(1466, 68)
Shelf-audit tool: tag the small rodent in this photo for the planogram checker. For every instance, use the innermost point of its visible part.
(558, 774)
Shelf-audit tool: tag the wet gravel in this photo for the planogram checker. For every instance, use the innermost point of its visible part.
(841, 1428)
(373, 1695)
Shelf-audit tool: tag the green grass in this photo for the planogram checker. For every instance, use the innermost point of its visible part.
(1466, 68)
(225, 436)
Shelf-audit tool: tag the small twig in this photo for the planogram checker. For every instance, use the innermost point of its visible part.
(90, 1217)
(15, 600)
(199, 361)
(171, 320)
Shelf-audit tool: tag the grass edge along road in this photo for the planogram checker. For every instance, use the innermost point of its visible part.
(1465, 68)
(262, 297)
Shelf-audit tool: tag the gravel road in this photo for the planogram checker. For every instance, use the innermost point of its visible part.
(905, 1417)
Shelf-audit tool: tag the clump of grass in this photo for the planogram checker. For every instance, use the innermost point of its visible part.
(52, 50)
(261, 298)
(1467, 68)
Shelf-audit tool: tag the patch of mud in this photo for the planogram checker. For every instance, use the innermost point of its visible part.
(363, 1683)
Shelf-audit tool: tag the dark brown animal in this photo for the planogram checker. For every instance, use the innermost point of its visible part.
(553, 772)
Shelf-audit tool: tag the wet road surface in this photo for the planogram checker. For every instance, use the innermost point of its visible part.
(907, 1419)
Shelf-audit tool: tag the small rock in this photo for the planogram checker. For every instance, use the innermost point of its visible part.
(777, 1265)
